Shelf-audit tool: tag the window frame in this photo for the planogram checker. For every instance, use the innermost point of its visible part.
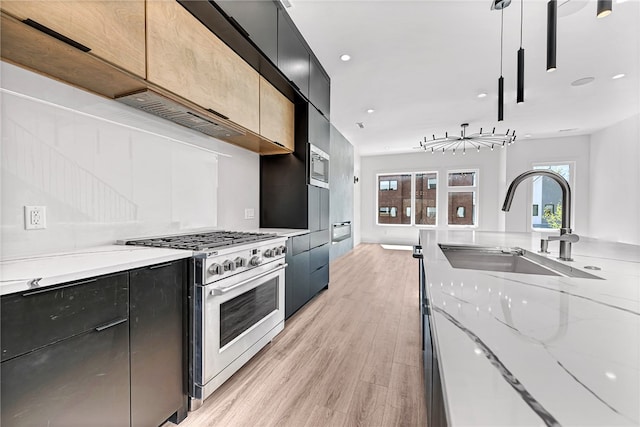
(465, 189)
(412, 205)
(572, 184)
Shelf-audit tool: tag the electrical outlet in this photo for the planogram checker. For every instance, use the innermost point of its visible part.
(35, 217)
(249, 213)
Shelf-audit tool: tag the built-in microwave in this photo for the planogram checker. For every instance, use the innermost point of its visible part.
(318, 167)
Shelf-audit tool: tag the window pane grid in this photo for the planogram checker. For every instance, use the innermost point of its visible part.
(407, 199)
(462, 198)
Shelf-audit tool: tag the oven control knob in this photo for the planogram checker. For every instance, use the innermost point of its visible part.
(255, 261)
(268, 253)
(240, 262)
(229, 265)
(216, 269)
(280, 250)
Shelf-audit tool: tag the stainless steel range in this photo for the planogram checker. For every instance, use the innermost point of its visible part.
(236, 301)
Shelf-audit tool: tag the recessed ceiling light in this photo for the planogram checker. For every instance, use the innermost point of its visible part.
(618, 76)
(345, 57)
(482, 95)
(583, 81)
(371, 110)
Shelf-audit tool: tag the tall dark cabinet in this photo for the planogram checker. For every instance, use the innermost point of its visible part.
(263, 34)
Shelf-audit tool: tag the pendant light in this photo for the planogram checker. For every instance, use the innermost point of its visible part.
(501, 79)
(520, 90)
(552, 29)
(604, 8)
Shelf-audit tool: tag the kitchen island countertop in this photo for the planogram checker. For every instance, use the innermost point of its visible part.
(38, 271)
(522, 349)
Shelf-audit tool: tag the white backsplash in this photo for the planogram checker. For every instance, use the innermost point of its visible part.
(106, 172)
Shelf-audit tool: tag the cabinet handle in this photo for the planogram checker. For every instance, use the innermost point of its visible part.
(211, 110)
(153, 267)
(277, 143)
(55, 34)
(111, 324)
(40, 291)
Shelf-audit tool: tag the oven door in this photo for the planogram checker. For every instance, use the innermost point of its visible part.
(238, 312)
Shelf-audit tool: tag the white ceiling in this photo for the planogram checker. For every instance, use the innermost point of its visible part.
(421, 65)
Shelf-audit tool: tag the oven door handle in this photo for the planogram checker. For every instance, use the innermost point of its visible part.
(222, 291)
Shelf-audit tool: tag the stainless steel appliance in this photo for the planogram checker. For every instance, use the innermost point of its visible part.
(318, 167)
(236, 301)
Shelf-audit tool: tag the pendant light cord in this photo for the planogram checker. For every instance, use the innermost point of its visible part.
(521, 14)
(501, 37)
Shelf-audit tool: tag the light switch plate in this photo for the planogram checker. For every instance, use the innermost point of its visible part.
(249, 213)
(35, 217)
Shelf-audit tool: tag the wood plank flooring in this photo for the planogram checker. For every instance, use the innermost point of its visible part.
(350, 357)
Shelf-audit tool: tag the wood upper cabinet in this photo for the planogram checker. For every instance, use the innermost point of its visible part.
(276, 115)
(113, 30)
(184, 57)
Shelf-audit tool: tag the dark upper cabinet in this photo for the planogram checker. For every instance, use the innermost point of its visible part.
(258, 20)
(319, 87)
(319, 130)
(293, 57)
(314, 208)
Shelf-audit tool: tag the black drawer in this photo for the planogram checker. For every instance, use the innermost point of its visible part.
(80, 381)
(319, 238)
(319, 280)
(300, 244)
(318, 257)
(35, 318)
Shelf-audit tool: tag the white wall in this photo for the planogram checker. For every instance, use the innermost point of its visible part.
(106, 171)
(522, 156)
(614, 207)
(487, 162)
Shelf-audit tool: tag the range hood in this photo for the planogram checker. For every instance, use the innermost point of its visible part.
(160, 105)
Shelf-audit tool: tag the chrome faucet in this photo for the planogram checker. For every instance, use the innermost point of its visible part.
(565, 237)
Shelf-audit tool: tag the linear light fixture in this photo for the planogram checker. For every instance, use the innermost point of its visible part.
(604, 8)
(552, 30)
(520, 88)
(501, 79)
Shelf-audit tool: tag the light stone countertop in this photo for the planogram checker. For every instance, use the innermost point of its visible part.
(521, 349)
(39, 271)
(284, 232)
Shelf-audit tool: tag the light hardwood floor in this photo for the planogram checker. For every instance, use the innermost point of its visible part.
(350, 357)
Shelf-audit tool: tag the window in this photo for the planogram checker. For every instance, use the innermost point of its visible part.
(408, 198)
(394, 198)
(547, 195)
(462, 194)
(388, 185)
(426, 196)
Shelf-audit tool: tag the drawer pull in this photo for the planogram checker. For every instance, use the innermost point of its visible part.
(40, 291)
(56, 35)
(110, 325)
(153, 267)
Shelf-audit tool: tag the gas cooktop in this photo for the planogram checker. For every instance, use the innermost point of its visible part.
(203, 241)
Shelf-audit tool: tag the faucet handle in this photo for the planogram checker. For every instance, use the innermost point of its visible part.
(565, 238)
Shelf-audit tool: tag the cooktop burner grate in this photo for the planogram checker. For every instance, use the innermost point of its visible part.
(203, 241)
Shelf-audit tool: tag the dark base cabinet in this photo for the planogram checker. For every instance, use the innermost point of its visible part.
(105, 351)
(81, 381)
(157, 347)
(308, 270)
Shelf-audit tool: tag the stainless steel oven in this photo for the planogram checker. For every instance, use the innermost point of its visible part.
(236, 301)
(239, 316)
(318, 167)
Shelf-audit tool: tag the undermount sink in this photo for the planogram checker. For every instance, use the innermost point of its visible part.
(512, 260)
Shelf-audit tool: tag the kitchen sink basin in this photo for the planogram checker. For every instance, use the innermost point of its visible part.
(512, 260)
